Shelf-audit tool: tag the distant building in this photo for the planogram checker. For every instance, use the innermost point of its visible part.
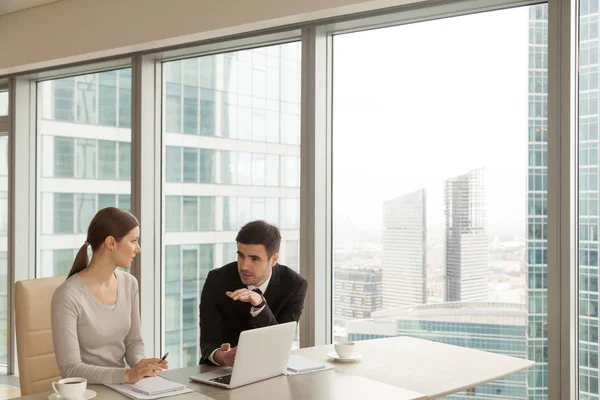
(466, 238)
(404, 250)
(357, 293)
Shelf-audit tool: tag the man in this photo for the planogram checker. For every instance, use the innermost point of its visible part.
(253, 292)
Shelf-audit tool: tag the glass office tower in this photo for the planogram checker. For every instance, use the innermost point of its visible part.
(537, 237)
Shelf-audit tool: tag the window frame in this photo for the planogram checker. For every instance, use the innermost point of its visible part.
(315, 170)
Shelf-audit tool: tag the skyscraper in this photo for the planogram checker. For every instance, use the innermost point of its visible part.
(466, 240)
(537, 220)
(588, 200)
(404, 250)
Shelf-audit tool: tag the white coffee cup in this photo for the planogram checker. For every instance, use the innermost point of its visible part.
(70, 388)
(344, 349)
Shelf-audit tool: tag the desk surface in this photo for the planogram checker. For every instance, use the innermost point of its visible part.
(435, 369)
(402, 368)
(106, 393)
(330, 384)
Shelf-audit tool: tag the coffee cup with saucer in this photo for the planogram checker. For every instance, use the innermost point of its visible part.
(345, 351)
(71, 389)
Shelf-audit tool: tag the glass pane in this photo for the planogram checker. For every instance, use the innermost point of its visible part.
(107, 159)
(3, 235)
(85, 155)
(588, 200)
(212, 188)
(3, 104)
(107, 97)
(435, 232)
(64, 159)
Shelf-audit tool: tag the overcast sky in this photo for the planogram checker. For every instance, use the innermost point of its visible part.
(417, 104)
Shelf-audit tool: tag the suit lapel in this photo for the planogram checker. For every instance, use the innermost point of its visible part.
(273, 289)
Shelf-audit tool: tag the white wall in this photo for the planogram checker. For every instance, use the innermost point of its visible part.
(77, 30)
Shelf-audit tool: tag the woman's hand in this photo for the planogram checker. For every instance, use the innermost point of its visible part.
(146, 367)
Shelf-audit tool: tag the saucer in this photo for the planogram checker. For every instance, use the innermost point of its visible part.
(88, 394)
(355, 357)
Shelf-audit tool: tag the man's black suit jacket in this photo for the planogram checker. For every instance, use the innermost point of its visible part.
(223, 319)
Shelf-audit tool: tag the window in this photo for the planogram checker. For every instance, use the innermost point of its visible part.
(214, 186)
(588, 199)
(85, 158)
(428, 215)
(125, 202)
(292, 249)
(190, 96)
(190, 213)
(173, 164)
(290, 171)
(272, 170)
(107, 98)
(63, 261)
(86, 99)
(64, 219)
(107, 159)
(106, 200)
(190, 165)
(3, 104)
(64, 99)
(125, 98)
(206, 166)
(4, 280)
(83, 144)
(85, 208)
(124, 161)
(64, 157)
(173, 213)
(206, 213)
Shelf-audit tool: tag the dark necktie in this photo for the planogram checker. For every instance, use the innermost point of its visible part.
(257, 290)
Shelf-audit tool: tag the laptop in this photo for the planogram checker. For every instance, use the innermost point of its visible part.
(262, 353)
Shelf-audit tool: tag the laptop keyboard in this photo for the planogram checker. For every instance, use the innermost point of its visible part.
(225, 379)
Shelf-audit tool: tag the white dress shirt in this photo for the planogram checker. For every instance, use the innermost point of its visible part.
(253, 311)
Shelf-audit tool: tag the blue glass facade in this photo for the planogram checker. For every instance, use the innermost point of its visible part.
(537, 216)
(588, 200)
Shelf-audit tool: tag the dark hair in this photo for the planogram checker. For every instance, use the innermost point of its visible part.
(109, 221)
(260, 232)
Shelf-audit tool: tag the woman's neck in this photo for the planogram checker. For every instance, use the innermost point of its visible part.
(99, 271)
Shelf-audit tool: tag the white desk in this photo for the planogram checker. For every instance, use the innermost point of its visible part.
(323, 385)
(401, 368)
(423, 366)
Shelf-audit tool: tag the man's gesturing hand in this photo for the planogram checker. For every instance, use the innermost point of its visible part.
(246, 295)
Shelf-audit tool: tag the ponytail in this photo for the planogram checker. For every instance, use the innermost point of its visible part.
(81, 260)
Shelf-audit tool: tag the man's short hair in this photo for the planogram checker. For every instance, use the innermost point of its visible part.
(260, 232)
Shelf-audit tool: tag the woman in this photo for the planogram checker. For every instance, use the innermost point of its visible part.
(95, 312)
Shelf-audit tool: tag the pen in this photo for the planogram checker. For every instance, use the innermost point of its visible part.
(164, 357)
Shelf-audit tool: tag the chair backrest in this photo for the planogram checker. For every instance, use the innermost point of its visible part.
(35, 349)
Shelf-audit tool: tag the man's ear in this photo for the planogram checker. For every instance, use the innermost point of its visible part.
(274, 259)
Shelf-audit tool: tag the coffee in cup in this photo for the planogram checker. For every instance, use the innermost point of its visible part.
(344, 349)
(70, 388)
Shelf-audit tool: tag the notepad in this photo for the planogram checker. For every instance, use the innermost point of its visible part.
(298, 364)
(127, 390)
(155, 385)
